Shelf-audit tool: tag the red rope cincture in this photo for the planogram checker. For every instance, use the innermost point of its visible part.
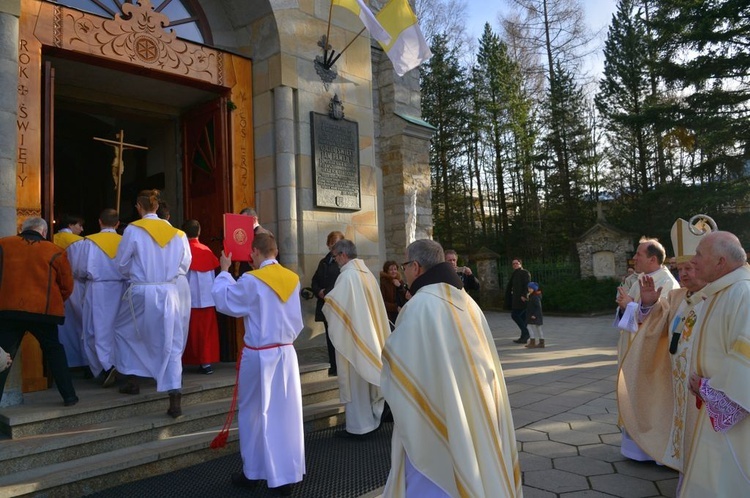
(221, 439)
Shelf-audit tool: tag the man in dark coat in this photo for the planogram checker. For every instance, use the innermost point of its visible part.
(515, 298)
(35, 281)
(322, 283)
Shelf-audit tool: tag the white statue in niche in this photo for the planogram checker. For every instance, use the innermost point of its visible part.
(604, 264)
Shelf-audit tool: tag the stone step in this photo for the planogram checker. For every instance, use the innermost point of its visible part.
(35, 474)
(68, 451)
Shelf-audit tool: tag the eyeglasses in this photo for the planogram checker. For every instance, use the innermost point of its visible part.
(403, 265)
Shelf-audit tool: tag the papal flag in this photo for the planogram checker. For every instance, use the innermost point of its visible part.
(407, 48)
(360, 8)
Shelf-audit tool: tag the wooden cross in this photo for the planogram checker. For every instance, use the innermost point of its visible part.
(117, 165)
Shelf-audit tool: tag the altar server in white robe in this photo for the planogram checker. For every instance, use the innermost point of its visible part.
(453, 432)
(269, 390)
(183, 286)
(102, 306)
(151, 256)
(358, 327)
(71, 331)
(648, 260)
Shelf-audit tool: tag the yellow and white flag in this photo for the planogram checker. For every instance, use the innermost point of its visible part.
(407, 48)
(360, 8)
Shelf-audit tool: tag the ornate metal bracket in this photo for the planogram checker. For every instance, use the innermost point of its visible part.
(324, 64)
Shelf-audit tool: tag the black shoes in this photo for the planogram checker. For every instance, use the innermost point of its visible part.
(332, 372)
(285, 490)
(70, 401)
(239, 480)
(207, 370)
(109, 377)
(521, 340)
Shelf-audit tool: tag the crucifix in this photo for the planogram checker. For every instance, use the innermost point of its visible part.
(117, 165)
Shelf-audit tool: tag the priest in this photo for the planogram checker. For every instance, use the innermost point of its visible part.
(453, 430)
(358, 326)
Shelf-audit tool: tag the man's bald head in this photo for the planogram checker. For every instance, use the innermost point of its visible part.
(718, 253)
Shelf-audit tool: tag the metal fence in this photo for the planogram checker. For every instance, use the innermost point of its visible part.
(543, 271)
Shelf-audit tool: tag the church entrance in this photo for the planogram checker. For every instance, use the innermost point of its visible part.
(186, 107)
(91, 102)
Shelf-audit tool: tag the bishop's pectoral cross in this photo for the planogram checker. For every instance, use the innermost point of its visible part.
(117, 165)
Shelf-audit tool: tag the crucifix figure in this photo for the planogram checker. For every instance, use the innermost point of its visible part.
(117, 165)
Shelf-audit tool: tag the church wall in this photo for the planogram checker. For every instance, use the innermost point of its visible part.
(9, 12)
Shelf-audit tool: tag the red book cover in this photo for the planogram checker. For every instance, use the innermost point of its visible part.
(238, 236)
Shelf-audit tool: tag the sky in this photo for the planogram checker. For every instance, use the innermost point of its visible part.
(598, 14)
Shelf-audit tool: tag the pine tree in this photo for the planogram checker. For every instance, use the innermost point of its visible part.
(444, 101)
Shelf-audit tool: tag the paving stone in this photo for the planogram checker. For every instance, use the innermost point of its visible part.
(550, 449)
(536, 493)
(613, 439)
(574, 437)
(594, 427)
(523, 417)
(645, 470)
(607, 418)
(568, 417)
(603, 452)
(526, 434)
(556, 481)
(624, 486)
(589, 409)
(526, 398)
(548, 425)
(530, 462)
(586, 494)
(583, 466)
(575, 397)
(668, 487)
(550, 406)
(602, 386)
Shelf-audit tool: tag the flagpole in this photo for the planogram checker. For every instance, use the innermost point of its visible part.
(328, 33)
(344, 50)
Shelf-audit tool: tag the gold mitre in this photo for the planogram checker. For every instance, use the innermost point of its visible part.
(687, 234)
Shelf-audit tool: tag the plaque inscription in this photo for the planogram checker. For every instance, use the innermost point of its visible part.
(335, 144)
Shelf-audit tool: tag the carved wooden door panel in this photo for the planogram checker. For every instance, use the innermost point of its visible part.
(207, 188)
(206, 169)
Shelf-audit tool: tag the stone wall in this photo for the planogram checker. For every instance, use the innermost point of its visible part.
(603, 239)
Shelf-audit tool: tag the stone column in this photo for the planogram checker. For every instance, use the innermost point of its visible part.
(402, 142)
(286, 177)
(490, 294)
(10, 12)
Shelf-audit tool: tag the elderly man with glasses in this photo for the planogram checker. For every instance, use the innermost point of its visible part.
(358, 327)
(453, 431)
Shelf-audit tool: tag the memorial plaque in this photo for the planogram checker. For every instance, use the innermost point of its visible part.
(335, 147)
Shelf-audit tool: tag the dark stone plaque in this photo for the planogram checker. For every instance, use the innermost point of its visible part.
(335, 152)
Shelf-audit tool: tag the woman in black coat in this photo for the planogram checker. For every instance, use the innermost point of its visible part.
(322, 283)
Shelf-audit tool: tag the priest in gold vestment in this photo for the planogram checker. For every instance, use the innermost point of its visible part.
(706, 435)
(453, 431)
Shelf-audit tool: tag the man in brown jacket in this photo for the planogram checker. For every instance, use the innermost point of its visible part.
(35, 281)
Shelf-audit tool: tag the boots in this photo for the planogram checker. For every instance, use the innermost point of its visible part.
(131, 385)
(175, 408)
(541, 343)
(531, 344)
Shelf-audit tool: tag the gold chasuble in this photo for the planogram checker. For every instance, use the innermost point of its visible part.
(454, 423)
(159, 230)
(108, 242)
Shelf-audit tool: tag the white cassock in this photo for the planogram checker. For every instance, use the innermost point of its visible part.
(269, 392)
(71, 332)
(102, 306)
(183, 292)
(153, 345)
(358, 327)
(662, 279)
